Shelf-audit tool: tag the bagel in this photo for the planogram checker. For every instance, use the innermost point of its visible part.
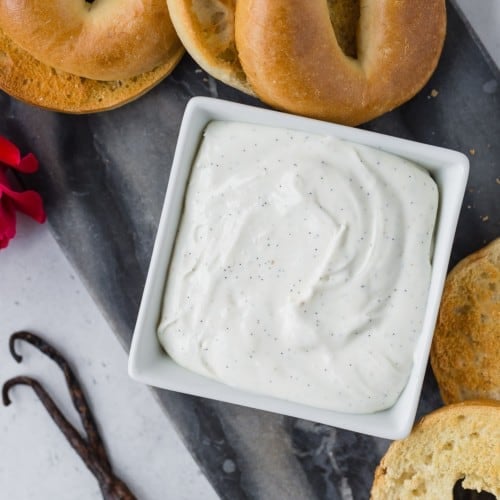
(337, 60)
(460, 441)
(293, 61)
(82, 57)
(30, 81)
(206, 29)
(101, 40)
(466, 344)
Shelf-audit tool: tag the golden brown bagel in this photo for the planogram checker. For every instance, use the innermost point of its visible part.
(206, 29)
(88, 57)
(454, 442)
(31, 81)
(293, 61)
(100, 40)
(466, 346)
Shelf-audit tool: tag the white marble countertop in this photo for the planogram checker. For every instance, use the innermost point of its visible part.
(39, 291)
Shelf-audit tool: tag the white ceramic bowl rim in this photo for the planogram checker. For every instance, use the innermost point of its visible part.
(148, 363)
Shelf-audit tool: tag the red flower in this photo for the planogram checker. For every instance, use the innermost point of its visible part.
(28, 202)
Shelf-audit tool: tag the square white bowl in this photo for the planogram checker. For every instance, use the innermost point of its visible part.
(149, 363)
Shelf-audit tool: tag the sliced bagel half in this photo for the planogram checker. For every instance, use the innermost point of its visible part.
(27, 79)
(459, 442)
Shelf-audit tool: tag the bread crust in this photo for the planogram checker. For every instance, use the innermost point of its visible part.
(100, 40)
(206, 29)
(29, 80)
(457, 441)
(292, 60)
(466, 344)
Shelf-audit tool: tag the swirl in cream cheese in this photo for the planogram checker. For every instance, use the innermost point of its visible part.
(301, 267)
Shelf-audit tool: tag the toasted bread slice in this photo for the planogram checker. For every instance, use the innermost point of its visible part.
(466, 346)
(460, 441)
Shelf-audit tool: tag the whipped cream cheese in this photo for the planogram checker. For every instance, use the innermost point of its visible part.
(301, 267)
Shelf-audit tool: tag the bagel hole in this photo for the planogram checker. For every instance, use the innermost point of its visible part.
(461, 493)
(344, 16)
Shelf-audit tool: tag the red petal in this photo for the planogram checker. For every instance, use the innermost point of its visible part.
(28, 202)
(9, 153)
(28, 164)
(7, 222)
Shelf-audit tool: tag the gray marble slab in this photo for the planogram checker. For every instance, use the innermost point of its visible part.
(103, 178)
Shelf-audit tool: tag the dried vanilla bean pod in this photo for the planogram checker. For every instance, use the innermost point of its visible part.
(112, 487)
(76, 392)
